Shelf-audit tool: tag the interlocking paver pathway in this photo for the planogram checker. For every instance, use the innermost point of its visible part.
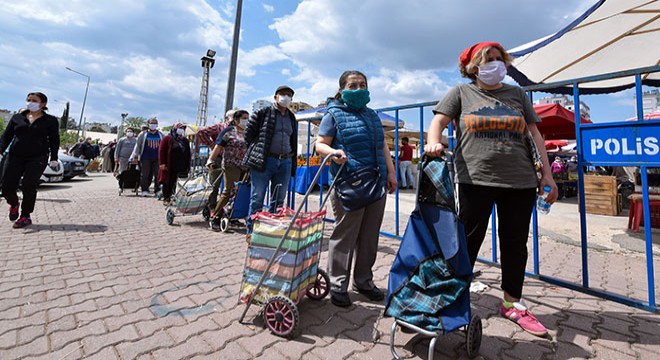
(101, 276)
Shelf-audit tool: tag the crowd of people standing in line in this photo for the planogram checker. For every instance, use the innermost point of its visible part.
(489, 171)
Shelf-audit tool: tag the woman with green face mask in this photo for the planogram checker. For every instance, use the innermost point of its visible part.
(354, 133)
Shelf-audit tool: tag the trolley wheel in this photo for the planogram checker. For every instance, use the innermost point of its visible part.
(206, 213)
(281, 316)
(169, 217)
(321, 286)
(224, 224)
(473, 336)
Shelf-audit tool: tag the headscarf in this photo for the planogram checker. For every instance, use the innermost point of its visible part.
(175, 136)
(468, 54)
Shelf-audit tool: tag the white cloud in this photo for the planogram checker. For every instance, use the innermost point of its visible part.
(265, 55)
(268, 8)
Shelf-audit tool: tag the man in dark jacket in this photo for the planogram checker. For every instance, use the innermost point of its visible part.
(272, 138)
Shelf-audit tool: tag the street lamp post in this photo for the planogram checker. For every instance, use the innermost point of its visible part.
(84, 100)
(229, 100)
(120, 129)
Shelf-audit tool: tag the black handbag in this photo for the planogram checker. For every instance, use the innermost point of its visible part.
(359, 189)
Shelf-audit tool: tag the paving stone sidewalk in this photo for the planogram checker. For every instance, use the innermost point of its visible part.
(101, 276)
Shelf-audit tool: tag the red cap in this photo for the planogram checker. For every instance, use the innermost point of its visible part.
(467, 54)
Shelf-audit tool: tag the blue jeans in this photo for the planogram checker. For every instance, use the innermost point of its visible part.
(277, 172)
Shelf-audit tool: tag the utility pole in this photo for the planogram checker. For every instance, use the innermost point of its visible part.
(120, 128)
(207, 63)
(231, 80)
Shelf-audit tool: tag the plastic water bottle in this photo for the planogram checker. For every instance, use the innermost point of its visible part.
(541, 206)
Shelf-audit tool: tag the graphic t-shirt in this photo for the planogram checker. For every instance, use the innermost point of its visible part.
(151, 144)
(490, 131)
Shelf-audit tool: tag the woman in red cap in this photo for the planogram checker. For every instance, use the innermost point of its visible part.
(494, 165)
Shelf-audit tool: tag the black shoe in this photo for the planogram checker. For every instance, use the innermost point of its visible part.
(340, 299)
(215, 224)
(410, 187)
(373, 294)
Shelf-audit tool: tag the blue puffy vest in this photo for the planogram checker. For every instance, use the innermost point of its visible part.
(360, 134)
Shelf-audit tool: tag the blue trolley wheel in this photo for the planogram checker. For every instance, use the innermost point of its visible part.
(169, 217)
(473, 336)
(281, 316)
(321, 286)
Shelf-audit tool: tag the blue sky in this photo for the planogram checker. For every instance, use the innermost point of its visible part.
(143, 56)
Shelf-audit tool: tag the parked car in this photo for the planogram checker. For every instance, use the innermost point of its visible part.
(51, 175)
(73, 166)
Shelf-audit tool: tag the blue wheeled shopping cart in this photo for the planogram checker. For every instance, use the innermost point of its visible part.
(238, 207)
(429, 283)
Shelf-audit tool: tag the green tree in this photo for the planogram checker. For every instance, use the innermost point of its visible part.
(135, 122)
(96, 128)
(67, 138)
(3, 124)
(64, 120)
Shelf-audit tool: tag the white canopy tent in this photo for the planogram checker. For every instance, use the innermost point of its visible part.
(612, 36)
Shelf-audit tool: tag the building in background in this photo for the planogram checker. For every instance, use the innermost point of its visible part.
(650, 101)
(566, 102)
(299, 106)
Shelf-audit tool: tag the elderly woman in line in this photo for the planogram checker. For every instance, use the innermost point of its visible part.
(173, 159)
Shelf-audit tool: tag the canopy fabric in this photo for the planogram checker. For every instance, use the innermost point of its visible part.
(655, 115)
(557, 122)
(555, 145)
(315, 116)
(612, 36)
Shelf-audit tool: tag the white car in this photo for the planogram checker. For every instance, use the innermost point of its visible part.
(51, 175)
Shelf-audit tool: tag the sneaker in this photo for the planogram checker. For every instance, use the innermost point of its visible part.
(13, 212)
(215, 225)
(22, 222)
(519, 314)
(340, 299)
(373, 294)
(145, 194)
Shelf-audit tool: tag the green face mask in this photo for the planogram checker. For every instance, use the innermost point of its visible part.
(356, 99)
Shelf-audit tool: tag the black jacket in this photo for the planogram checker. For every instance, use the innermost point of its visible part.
(31, 140)
(259, 134)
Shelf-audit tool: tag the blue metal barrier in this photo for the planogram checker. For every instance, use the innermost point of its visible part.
(587, 136)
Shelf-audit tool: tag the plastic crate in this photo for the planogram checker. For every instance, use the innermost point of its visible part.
(655, 217)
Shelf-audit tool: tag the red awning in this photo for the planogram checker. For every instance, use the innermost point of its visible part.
(557, 122)
(555, 145)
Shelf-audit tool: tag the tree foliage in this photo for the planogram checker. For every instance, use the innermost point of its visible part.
(135, 122)
(64, 120)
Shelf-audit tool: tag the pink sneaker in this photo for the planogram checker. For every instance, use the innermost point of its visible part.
(519, 314)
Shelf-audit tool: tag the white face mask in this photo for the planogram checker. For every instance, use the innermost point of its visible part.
(180, 131)
(153, 126)
(492, 73)
(284, 100)
(33, 106)
(243, 123)
(129, 134)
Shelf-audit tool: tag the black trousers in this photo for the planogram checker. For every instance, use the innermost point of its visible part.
(169, 187)
(514, 211)
(149, 174)
(30, 169)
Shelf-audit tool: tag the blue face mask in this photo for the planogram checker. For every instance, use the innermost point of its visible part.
(356, 99)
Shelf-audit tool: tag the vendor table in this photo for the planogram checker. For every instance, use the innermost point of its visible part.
(305, 175)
